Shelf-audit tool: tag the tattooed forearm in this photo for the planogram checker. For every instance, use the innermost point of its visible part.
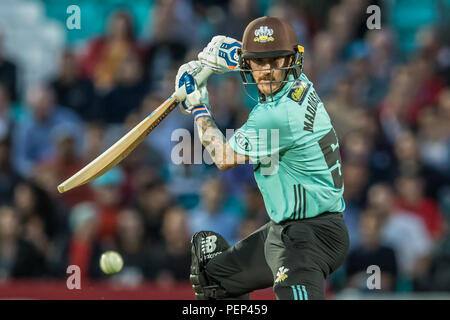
(215, 143)
(211, 137)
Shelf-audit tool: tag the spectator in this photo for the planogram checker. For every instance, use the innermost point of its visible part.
(240, 13)
(369, 90)
(210, 214)
(438, 279)
(341, 21)
(295, 15)
(237, 181)
(142, 166)
(371, 252)
(168, 46)
(103, 56)
(392, 110)
(411, 198)
(93, 142)
(230, 113)
(171, 258)
(6, 113)
(8, 176)
(426, 88)
(35, 207)
(125, 95)
(65, 163)
(19, 258)
(328, 68)
(255, 209)
(383, 53)
(132, 245)
(82, 247)
(357, 146)
(403, 231)
(153, 200)
(408, 156)
(434, 135)
(185, 182)
(444, 106)
(8, 73)
(356, 175)
(341, 106)
(108, 197)
(71, 88)
(32, 139)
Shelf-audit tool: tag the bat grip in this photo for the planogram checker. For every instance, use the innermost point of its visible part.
(201, 77)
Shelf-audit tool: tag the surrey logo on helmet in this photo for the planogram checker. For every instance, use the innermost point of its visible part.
(270, 37)
(263, 34)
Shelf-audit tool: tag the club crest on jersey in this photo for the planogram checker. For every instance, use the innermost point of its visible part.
(299, 91)
(263, 34)
(281, 274)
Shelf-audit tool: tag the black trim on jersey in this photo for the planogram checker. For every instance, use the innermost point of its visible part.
(304, 203)
(295, 204)
(300, 202)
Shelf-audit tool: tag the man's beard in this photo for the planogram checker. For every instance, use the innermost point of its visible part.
(271, 86)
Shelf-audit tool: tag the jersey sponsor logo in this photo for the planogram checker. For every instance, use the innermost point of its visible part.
(263, 34)
(281, 274)
(298, 93)
(242, 141)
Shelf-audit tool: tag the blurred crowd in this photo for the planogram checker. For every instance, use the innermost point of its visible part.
(390, 109)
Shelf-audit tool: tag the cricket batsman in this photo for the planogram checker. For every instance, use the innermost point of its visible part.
(293, 147)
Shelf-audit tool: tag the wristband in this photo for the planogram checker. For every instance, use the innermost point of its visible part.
(201, 111)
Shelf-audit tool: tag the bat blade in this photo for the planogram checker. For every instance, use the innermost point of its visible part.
(119, 150)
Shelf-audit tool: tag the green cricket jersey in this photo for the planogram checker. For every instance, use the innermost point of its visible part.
(295, 154)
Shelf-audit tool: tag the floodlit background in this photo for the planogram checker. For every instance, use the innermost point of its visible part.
(67, 95)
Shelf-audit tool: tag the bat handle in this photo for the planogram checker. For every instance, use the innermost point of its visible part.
(201, 77)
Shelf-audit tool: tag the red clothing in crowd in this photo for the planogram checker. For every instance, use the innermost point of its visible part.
(428, 210)
(426, 96)
(80, 254)
(108, 222)
(63, 170)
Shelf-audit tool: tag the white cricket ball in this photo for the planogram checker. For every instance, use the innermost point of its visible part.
(111, 262)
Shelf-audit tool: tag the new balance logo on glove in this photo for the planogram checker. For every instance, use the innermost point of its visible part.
(208, 246)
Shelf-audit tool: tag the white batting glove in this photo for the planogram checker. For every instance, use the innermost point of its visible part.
(195, 95)
(221, 54)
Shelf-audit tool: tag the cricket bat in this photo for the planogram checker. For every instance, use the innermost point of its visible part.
(119, 150)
